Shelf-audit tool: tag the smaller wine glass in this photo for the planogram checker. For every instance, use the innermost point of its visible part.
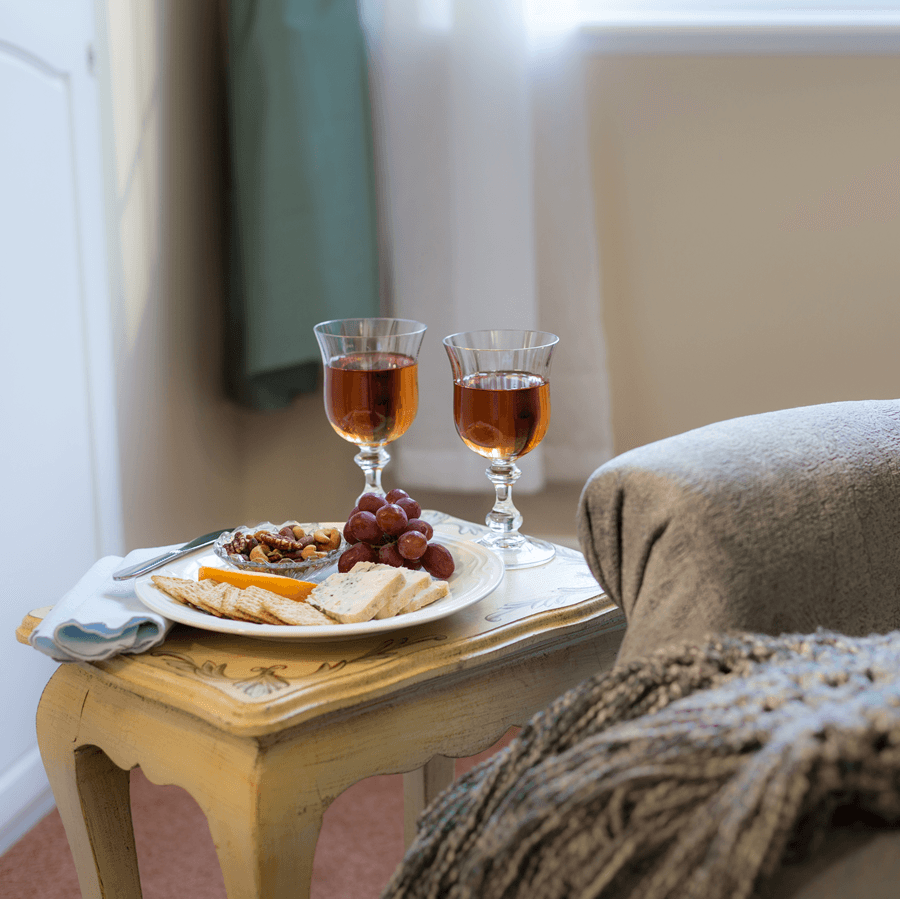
(501, 406)
(371, 385)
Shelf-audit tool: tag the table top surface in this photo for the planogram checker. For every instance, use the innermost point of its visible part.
(243, 683)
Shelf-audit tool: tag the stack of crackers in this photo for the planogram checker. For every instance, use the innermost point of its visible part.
(368, 591)
(249, 604)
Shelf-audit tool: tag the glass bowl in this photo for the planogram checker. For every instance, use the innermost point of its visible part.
(293, 568)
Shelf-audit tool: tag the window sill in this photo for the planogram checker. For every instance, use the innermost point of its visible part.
(824, 36)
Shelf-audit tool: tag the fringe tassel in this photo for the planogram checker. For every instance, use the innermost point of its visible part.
(685, 774)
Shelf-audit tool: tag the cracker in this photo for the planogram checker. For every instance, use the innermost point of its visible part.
(294, 612)
(236, 605)
(253, 603)
(250, 604)
(190, 592)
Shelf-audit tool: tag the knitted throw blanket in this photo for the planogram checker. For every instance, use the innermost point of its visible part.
(692, 772)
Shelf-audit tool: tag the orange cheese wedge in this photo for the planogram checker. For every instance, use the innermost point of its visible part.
(277, 584)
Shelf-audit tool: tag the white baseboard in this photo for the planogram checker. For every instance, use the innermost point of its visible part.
(25, 798)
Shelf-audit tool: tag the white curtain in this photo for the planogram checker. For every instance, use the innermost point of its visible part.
(487, 218)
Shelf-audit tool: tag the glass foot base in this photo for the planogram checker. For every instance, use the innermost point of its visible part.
(522, 554)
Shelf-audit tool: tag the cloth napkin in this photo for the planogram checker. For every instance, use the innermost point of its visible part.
(100, 617)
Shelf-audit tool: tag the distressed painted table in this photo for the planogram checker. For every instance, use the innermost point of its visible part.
(264, 734)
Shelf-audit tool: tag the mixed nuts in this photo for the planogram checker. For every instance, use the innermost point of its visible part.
(291, 541)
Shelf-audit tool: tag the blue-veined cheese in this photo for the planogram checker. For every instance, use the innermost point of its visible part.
(357, 596)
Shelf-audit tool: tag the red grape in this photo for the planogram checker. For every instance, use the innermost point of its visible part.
(391, 519)
(412, 544)
(357, 553)
(371, 502)
(421, 525)
(410, 507)
(437, 561)
(348, 533)
(395, 495)
(364, 527)
(390, 555)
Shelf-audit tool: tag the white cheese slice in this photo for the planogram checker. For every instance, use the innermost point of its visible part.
(356, 596)
(413, 583)
(428, 594)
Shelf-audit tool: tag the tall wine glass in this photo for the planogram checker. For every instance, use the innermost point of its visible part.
(501, 406)
(371, 385)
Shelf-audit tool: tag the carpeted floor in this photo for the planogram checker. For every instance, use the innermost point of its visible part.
(360, 845)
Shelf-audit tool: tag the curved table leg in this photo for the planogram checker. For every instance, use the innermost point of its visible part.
(263, 815)
(92, 795)
(265, 834)
(421, 787)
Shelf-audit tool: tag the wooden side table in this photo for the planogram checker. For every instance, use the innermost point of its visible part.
(265, 734)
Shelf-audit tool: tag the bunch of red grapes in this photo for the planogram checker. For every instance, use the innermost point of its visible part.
(388, 530)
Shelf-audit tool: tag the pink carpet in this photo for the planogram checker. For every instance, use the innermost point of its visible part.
(360, 845)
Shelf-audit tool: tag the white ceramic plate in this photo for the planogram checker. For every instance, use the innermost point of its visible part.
(478, 571)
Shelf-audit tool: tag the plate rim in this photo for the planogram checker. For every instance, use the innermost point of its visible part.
(155, 599)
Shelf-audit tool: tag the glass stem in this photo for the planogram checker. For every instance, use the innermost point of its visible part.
(372, 458)
(504, 519)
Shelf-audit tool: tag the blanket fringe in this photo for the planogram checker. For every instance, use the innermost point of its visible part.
(690, 773)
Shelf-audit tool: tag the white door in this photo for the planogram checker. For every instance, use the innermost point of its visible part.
(59, 491)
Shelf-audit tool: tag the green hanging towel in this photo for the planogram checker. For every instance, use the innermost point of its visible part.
(302, 202)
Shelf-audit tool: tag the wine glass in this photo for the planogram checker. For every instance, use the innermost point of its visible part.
(501, 406)
(371, 385)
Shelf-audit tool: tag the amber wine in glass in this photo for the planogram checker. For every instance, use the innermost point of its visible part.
(501, 407)
(371, 385)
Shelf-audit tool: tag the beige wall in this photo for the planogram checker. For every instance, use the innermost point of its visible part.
(178, 435)
(191, 460)
(749, 234)
(748, 231)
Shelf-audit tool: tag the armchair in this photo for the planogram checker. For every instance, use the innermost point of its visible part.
(747, 742)
(781, 522)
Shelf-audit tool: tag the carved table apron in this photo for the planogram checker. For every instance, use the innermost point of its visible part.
(265, 734)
